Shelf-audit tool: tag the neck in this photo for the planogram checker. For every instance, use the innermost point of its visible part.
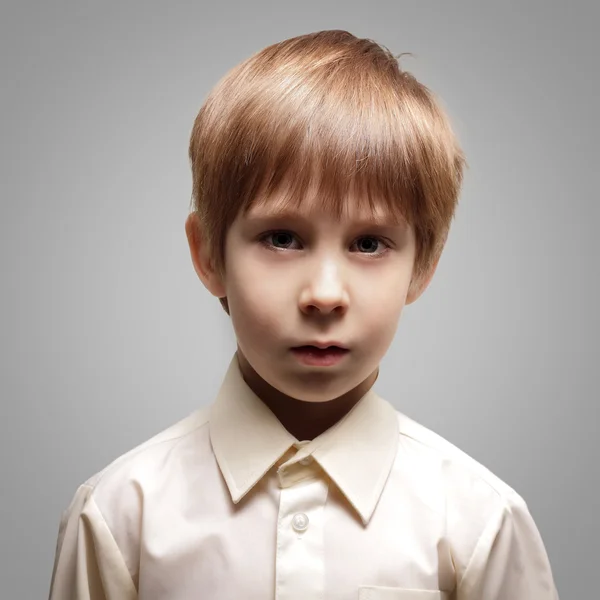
(304, 420)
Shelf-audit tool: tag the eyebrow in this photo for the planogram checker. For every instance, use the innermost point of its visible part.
(387, 220)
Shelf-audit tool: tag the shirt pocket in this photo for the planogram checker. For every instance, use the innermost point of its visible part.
(374, 592)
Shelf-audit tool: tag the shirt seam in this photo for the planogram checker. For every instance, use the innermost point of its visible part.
(465, 463)
(134, 452)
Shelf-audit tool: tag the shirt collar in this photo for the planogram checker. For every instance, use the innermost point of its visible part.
(357, 452)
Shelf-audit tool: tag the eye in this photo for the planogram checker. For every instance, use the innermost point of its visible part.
(284, 237)
(278, 236)
(372, 241)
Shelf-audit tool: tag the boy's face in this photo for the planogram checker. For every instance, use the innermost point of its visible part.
(318, 278)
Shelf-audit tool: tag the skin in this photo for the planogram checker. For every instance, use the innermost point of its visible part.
(318, 279)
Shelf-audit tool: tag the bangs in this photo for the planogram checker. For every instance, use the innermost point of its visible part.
(332, 145)
(327, 153)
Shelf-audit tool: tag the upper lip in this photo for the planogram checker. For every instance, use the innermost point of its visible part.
(323, 345)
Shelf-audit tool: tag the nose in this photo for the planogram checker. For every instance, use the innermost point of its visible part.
(325, 291)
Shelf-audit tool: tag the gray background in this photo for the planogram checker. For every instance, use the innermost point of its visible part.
(107, 335)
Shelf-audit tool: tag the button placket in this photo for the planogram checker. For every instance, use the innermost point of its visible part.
(299, 576)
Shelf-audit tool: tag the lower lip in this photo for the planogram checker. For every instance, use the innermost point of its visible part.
(319, 357)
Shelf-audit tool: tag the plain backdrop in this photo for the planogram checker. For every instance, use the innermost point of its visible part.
(108, 337)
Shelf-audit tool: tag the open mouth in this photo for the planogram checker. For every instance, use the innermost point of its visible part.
(311, 355)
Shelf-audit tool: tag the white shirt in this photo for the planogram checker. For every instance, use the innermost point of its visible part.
(227, 504)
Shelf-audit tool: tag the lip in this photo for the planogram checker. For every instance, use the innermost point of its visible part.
(319, 357)
(323, 345)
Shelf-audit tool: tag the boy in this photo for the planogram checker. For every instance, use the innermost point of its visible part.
(299, 482)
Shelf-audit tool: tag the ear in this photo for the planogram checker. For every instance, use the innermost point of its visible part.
(200, 257)
(418, 286)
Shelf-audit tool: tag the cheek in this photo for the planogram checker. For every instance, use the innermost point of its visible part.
(254, 305)
(382, 320)
(261, 287)
(382, 304)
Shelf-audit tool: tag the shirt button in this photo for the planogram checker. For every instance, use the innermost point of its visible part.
(305, 461)
(300, 522)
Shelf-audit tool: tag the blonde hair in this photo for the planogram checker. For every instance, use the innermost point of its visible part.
(330, 109)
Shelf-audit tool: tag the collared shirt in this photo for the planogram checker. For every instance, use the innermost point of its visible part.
(228, 504)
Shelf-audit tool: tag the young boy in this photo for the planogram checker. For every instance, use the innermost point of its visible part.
(299, 482)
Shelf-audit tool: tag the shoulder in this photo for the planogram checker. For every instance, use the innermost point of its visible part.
(147, 459)
(452, 482)
(118, 492)
(436, 452)
(111, 502)
(106, 511)
(434, 446)
(475, 503)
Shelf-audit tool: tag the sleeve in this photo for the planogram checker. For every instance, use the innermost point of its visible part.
(88, 564)
(509, 561)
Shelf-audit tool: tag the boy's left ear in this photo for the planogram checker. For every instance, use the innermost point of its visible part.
(418, 286)
(200, 257)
